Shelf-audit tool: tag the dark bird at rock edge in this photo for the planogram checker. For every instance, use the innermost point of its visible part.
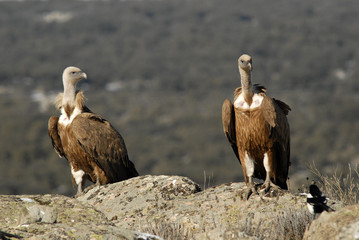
(317, 201)
(94, 149)
(257, 128)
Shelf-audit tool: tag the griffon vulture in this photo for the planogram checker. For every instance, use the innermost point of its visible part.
(257, 128)
(93, 148)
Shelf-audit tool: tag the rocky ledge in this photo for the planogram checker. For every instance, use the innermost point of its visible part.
(171, 207)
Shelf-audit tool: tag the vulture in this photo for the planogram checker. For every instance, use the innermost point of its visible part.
(257, 128)
(91, 145)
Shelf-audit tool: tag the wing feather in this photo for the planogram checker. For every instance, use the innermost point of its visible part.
(104, 145)
(268, 110)
(228, 120)
(52, 130)
(285, 108)
(282, 133)
(275, 113)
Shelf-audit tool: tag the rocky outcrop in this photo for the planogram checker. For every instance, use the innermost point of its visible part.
(342, 224)
(54, 217)
(172, 207)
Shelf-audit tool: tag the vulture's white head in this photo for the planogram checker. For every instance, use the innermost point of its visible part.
(245, 63)
(72, 75)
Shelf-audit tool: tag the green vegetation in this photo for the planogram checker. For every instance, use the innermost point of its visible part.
(159, 72)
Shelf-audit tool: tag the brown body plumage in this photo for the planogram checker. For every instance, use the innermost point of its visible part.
(257, 128)
(93, 148)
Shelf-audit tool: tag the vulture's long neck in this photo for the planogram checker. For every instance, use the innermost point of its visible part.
(69, 97)
(246, 83)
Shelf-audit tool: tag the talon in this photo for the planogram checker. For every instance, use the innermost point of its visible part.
(251, 188)
(269, 187)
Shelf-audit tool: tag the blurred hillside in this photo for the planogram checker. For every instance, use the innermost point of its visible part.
(159, 71)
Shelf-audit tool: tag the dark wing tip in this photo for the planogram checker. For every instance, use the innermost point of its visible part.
(285, 108)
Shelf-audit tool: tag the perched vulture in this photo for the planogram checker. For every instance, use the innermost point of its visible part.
(257, 128)
(93, 148)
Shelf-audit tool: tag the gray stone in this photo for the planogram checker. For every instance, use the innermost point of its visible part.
(171, 207)
(342, 224)
(149, 202)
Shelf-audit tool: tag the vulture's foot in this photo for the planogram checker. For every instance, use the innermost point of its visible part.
(78, 194)
(247, 192)
(97, 184)
(270, 189)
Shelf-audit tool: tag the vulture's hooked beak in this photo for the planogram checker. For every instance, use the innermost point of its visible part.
(83, 75)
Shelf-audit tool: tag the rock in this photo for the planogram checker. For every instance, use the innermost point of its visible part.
(142, 195)
(55, 217)
(153, 203)
(166, 207)
(37, 213)
(342, 224)
(146, 236)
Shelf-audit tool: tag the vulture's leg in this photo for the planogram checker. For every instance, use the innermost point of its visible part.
(267, 184)
(79, 190)
(251, 188)
(80, 186)
(79, 177)
(97, 184)
(268, 165)
(249, 171)
(101, 177)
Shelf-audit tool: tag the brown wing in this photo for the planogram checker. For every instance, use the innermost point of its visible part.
(104, 145)
(228, 120)
(269, 111)
(274, 112)
(54, 135)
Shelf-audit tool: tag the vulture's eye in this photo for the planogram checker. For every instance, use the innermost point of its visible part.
(73, 73)
(242, 61)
